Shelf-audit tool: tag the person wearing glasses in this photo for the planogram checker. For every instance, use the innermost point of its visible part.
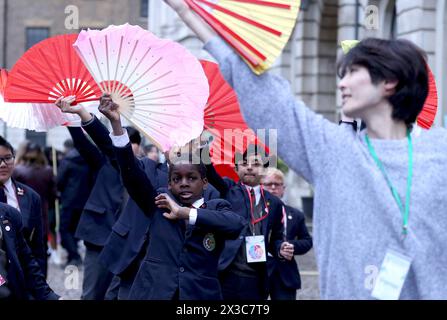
(284, 276)
(24, 199)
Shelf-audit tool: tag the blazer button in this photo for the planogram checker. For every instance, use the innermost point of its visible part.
(182, 269)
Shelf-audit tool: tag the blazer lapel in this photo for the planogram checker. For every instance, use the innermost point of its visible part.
(9, 239)
(21, 196)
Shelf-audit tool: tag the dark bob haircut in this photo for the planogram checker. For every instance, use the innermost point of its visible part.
(6, 144)
(393, 60)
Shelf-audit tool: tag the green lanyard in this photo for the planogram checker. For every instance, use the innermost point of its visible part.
(405, 212)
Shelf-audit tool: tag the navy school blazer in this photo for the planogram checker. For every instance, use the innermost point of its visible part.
(130, 232)
(25, 277)
(104, 202)
(298, 235)
(180, 261)
(271, 228)
(31, 212)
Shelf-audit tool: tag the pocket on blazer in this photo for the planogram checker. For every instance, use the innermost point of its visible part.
(95, 208)
(153, 259)
(121, 229)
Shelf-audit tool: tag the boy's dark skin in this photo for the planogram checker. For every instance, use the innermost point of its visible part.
(186, 184)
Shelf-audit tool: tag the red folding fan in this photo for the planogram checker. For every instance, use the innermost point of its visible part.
(3, 80)
(48, 70)
(223, 119)
(427, 116)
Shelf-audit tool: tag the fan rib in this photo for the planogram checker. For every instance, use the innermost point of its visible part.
(237, 45)
(118, 62)
(227, 34)
(267, 3)
(242, 18)
(56, 80)
(156, 98)
(157, 90)
(97, 65)
(144, 73)
(152, 81)
(107, 60)
(128, 63)
(138, 64)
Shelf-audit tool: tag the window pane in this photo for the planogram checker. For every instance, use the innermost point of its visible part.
(35, 35)
(144, 8)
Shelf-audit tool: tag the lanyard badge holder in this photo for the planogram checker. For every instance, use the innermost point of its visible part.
(255, 245)
(396, 265)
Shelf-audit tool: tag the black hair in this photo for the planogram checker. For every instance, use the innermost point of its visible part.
(68, 144)
(187, 159)
(148, 148)
(134, 135)
(252, 150)
(6, 144)
(393, 60)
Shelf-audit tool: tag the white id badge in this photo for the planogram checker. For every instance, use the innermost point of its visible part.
(391, 276)
(255, 249)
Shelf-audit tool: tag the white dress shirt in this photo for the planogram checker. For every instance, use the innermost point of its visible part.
(10, 192)
(257, 191)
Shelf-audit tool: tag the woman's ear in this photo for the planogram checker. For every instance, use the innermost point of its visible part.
(390, 87)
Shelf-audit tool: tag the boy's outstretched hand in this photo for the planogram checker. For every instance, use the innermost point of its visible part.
(109, 108)
(177, 212)
(65, 104)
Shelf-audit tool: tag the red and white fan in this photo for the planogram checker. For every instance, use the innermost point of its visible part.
(48, 70)
(39, 117)
(160, 87)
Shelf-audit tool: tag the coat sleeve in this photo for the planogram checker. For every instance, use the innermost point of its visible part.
(302, 241)
(267, 102)
(63, 173)
(222, 220)
(86, 148)
(135, 180)
(34, 277)
(37, 241)
(100, 135)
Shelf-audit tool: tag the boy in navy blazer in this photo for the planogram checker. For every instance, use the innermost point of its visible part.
(243, 277)
(26, 201)
(284, 277)
(21, 277)
(187, 235)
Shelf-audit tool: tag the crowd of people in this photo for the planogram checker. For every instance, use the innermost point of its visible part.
(177, 230)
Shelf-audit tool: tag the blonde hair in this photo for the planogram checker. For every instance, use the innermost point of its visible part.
(273, 172)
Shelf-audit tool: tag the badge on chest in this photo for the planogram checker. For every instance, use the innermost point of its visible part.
(209, 242)
(255, 249)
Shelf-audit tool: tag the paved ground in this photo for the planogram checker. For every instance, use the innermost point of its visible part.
(68, 281)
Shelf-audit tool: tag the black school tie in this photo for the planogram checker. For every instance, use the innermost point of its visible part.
(3, 194)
